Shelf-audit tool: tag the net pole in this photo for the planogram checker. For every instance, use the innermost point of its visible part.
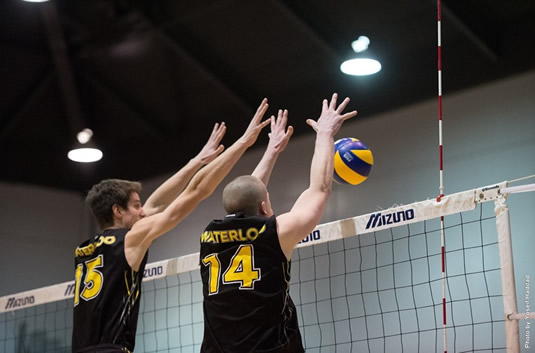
(441, 174)
(507, 272)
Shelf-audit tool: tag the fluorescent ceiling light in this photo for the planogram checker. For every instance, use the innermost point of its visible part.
(361, 44)
(85, 155)
(360, 67)
(85, 151)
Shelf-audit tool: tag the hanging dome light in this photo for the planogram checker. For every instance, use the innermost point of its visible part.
(85, 151)
(362, 65)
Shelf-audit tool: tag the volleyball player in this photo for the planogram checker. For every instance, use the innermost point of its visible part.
(109, 267)
(245, 258)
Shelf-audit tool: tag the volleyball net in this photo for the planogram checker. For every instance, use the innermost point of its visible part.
(371, 283)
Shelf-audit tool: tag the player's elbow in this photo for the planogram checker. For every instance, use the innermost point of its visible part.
(322, 191)
(328, 189)
(202, 191)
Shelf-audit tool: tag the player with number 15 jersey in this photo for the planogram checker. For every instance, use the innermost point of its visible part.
(107, 285)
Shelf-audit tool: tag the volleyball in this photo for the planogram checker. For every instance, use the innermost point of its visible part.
(353, 161)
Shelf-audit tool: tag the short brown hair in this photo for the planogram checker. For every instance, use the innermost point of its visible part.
(102, 196)
(244, 194)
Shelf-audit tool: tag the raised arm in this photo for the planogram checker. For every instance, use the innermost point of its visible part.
(172, 187)
(202, 185)
(307, 210)
(278, 140)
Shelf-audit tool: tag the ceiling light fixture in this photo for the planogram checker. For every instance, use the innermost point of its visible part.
(85, 151)
(362, 65)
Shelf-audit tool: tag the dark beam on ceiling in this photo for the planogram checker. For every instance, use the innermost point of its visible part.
(31, 99)
(208, 74)
(60, 56)
(480, 43)
(316, 38)
(158, 130)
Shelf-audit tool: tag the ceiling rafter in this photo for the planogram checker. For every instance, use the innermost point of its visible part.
(63, 68)
(305, 27)
(32, 98)
(483, 45)
(156, 129)
(172, 44)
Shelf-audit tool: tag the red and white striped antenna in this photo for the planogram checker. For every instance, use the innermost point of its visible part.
(441, 171)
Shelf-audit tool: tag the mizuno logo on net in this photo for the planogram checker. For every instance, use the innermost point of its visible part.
(379, 219)
(15, 302)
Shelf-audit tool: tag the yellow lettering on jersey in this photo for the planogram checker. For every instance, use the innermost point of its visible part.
(242, 269)
(212, 261)
(206, 236)
(241, 236)
(224, 236)
(252, 233)
(231, 235)
(77, 279)
(90, 249)
(86, 250)
(93, 278)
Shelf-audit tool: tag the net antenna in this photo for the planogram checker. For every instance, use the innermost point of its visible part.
(441, 173)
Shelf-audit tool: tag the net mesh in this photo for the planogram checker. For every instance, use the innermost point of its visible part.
(376, 292)
(381, 292)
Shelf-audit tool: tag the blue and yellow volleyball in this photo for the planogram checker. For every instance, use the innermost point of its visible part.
(353, 161)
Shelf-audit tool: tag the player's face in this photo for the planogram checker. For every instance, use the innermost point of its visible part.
(134, 211)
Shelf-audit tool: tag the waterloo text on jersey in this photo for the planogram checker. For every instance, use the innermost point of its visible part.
(378, 219)
(231, 235)
(90, 249)
(15, 302)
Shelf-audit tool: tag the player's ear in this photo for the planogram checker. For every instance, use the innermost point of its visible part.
(263, 208)
(116, 210)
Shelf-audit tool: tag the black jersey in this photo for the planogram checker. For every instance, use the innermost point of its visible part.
(246, 277)
(107, 293)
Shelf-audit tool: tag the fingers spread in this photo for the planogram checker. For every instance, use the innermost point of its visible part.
(262, 108)
(312, 124)
(325, 105)
(264, 123)
(333, 101)
(290, 131)
(284, 117)
(349, 115)
(343, 105)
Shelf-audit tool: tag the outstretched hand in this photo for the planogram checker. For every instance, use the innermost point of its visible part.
(279, 135)
(256, 125)
(213, 146)
(331, 117)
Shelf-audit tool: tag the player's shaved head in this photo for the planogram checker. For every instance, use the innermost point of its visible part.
(244, 194)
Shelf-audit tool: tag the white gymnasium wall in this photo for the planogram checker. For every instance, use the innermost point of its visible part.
(489, 136)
